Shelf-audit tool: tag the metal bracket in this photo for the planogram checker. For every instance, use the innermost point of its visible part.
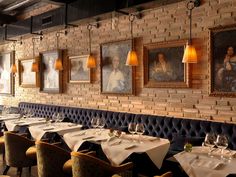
(31, 28)
(66, 18)
(197, 3)
(137, 13)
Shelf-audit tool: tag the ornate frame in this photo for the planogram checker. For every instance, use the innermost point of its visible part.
(12, 77)
(69, 74)
(211, 33)
(60, 73)
(21, 83)
(156, 84)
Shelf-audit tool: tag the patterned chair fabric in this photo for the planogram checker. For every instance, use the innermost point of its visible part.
(50, 160)
(85, 165)
(161, 126)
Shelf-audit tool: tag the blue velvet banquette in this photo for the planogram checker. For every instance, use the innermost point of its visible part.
(161, 126)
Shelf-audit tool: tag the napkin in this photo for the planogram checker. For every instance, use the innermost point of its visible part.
(207, 163)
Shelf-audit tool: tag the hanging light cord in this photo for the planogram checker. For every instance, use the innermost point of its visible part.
(131, 19)
(14, 45)
(33, 42)
(57, 36)
(190, 7)
(89, 27)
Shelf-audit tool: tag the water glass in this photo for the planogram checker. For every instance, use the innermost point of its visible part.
(54, 117)
(221, 143)
(132, 129)
(210, 142)
(60, 117)
(101, 123)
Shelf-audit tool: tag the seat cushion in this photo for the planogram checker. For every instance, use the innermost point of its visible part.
(67, 167)
(31, 153)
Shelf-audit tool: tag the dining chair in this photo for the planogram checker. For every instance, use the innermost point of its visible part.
(2, 148)
(15, 152)
(167, 174)
(52, 159)
(86, 165)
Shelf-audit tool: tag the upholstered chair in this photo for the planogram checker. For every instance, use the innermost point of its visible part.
(2, 147)
(86, 165)
(167, 174)
(15, 152)
(51, 160)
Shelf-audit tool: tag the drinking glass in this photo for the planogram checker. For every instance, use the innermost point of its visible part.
(60, 117)
(101, 123)
(54, 117)
(132, 129)
(210, 142)
(222, 143)
(140, 130)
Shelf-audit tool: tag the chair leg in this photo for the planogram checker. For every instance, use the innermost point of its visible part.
(6, 170)
(19, 171)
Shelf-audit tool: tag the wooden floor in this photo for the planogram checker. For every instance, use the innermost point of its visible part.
(12, 171)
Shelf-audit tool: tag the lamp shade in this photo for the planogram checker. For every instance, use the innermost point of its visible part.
(35, 67)
(13, 68)
(58, 65)
(132, 59)
(91, 62)
(190, 54)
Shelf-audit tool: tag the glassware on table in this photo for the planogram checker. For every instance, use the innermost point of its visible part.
(221, 143)
(101, 123)
(132, 129)
(94, 123)
(210, 142)
(60, 117)
(54, 117)
(139, 129)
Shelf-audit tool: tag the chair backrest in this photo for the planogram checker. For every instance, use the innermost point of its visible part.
(50, 160)
(84, 165)
(15, 149)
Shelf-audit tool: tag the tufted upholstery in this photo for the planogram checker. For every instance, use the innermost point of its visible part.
(154, 125)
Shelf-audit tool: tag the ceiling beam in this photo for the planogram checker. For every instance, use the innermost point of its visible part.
(6, 19)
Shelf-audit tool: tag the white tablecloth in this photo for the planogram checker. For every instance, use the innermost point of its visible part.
(75, 139)
(199, 164)
(13, 125)
(117, 150)
(38, 131)
(9, 117)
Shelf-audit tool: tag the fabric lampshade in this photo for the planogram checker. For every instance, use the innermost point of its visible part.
(190, 54)
(35, 67)
(13, 68)
(132, 59)
(58, 65)
(91, 62)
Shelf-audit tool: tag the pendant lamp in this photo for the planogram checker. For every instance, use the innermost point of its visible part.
(132, 59)
(58, 63)
(190, 54)
(35, 65)
(91, 61)
(13, 68)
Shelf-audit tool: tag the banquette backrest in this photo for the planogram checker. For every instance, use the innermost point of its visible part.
(160, 126)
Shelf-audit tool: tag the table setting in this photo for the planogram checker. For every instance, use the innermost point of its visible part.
(5, 117)
(212, 159)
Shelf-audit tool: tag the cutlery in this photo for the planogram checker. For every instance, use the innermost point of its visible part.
(89, 137)
(79, 134)
(130, 147)
(116, 143)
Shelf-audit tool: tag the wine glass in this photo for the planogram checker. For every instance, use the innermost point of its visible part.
(210, 142)
(132, 129)
(222, 143)
(140, 130)
(60, 117)
(54, 117)
(101, 123)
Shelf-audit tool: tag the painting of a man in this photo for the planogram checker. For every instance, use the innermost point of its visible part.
(116, 76)
(79, 73)
(5, 75)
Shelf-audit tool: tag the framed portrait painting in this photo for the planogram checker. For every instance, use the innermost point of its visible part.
(116, 77)
(78, 71)
(163, 65)
(6, 78)
(222, 51)
(27, 78)
(50, 79)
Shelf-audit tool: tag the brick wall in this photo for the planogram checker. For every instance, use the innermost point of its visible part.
(165, 23)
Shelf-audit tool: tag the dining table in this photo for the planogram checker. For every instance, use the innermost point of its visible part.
(198, 163)
(118, 148)
(9, 117)
(38, 131)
